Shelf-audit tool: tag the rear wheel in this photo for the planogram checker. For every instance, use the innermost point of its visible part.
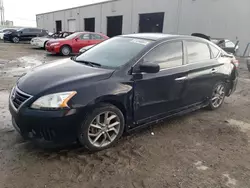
(218, 96)
(101, 128)
(65, 50)
(15, 39)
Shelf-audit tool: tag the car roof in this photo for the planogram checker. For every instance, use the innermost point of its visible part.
(158, 36)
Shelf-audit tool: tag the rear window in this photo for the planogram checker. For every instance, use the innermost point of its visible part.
(197, 51)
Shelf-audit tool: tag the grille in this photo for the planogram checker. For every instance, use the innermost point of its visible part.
(47, 133)
(18, 97)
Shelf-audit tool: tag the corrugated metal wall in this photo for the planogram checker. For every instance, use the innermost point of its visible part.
(217, 18)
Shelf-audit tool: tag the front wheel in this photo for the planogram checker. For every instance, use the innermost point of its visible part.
(15, 39)
(218, 96)
(65, 50)
(101, 128)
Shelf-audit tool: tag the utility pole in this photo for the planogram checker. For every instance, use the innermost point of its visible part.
(2, 21)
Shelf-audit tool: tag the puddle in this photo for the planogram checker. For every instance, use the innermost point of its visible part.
(5, 117)
(199, 166)
(230, 181)
(244, 126)
(21, 65)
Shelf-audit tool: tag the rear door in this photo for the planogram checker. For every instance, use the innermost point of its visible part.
(82, 41)
(157, 94)
(34, 33)
(202, 71)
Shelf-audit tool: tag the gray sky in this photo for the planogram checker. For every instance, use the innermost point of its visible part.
(23, 12)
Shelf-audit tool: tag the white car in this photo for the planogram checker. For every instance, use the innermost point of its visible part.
(84, 49)
(40, 42)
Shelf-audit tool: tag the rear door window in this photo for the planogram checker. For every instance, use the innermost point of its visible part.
(85, 37)
(25, 30)
(96, 37)
(197, 51)
(168, 55)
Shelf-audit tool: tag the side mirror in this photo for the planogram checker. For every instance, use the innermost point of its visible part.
(149, 67)
(76, 39)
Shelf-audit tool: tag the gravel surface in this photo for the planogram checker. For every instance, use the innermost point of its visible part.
(205, 149)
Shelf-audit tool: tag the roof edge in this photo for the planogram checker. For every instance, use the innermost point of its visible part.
(103, 2)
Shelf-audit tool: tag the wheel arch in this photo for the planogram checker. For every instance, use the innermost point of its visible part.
(44, 45)
(113, 100)
(66, 45)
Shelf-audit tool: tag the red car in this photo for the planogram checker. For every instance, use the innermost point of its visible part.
(74, 42)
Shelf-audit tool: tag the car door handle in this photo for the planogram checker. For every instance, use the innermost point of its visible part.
(181, 78)
(213, 71)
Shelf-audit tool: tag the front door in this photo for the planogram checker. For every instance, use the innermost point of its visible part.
(156, 95)
(24, 34)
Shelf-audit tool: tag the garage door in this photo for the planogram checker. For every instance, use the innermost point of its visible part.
(71, 25)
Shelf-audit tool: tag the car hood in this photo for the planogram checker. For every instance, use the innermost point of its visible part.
(60, 74)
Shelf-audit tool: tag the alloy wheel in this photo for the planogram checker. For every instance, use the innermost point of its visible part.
(15, 39)
(218, 96)
(65, 50)
(104, 129)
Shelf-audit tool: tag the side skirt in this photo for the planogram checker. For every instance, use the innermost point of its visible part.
(183, 112)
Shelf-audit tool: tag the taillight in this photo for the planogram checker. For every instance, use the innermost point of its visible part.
(235, 62)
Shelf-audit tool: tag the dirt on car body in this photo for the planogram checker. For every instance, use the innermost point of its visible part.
(202, 149)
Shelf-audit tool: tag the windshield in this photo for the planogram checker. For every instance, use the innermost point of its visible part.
(72, 36)
(20, 29)
(114, 52)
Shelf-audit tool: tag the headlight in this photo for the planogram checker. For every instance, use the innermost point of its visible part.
(54, 44)
(56, 100)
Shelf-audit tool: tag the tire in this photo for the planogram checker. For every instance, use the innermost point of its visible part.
(15, 39)
(65, 50)
(96, 135)
(218, 94)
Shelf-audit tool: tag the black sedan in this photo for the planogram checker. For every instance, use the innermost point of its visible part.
(119, 85)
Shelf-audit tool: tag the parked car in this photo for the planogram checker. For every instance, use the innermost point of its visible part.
(6, 30)
(74, 42)
(226, 45)
(119, 85)
(223, 43)
(41, 41)
(24, 34)
(84, 49)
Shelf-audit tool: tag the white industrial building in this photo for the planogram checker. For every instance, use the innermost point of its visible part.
(216, 18)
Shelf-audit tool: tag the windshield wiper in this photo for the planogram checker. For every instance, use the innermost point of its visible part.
(92, 64)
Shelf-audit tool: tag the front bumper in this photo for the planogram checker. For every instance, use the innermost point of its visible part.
(57, 127)
(37, 44)
(7, 38)
(53, 49)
